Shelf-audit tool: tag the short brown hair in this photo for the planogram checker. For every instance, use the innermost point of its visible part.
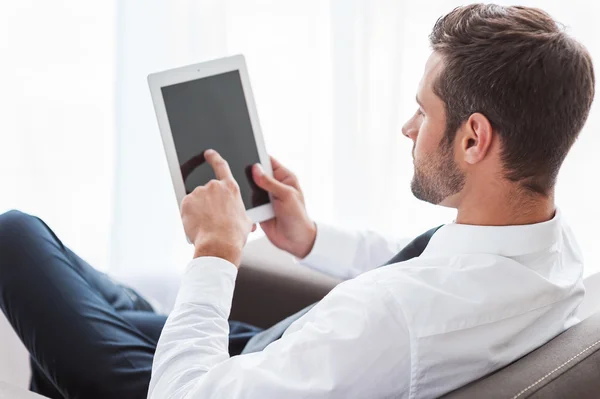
(519, 68)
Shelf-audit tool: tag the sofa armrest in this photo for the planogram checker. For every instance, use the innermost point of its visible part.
(271, 285)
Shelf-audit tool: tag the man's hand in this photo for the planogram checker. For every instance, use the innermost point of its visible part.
(214, 216)
(291, 229)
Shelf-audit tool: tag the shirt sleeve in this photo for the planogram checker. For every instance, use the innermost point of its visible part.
(353, 344)
(347, 254)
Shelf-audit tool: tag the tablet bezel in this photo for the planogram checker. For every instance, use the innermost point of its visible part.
(158, 80)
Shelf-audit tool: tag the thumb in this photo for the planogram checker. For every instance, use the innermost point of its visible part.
(269, 183)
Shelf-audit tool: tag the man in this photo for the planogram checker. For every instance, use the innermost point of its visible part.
(503, 97)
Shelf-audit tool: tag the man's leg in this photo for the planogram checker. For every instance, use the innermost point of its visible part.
(88, 336)
(67, 315)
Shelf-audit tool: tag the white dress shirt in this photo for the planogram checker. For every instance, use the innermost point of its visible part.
(476, 299)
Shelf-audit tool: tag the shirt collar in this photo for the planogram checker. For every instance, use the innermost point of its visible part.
(456, 239)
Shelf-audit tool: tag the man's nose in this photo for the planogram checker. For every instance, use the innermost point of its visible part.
(410, 130)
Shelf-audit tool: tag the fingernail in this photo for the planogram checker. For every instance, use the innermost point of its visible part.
(209, 152)
(260, 169)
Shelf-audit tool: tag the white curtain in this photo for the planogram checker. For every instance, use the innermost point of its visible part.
(334, 81)
(56, 113)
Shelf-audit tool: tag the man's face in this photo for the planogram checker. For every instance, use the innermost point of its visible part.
(437, 176)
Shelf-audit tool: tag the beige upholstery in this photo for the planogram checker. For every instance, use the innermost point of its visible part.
(9, 391)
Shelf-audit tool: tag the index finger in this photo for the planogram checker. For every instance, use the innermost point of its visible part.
(219, 165)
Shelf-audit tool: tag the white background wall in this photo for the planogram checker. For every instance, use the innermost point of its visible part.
(333, 80)
(57, 117)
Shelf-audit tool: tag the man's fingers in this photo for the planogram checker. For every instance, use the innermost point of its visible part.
(283, 174)
(275, 163)
(268, 183)
(218, 164)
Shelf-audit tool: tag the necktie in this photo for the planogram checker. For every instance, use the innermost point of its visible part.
(261, 340)
(414, 248)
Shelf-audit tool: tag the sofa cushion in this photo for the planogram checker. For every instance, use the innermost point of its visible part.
(9, 391)
(271, 285)
(566, 367)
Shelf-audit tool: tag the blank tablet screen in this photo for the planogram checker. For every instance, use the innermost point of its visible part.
(212, 113)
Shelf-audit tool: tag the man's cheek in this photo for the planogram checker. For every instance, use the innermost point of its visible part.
(418, 151)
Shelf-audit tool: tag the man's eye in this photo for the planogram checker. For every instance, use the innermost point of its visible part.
(420, 112)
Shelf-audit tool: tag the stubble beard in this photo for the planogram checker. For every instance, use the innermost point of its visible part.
(437, 177)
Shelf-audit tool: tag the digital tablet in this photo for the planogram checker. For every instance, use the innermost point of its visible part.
(210, 105)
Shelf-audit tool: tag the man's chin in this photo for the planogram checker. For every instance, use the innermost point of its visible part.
(419, 190)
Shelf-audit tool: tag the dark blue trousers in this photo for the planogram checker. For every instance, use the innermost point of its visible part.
(88, 336)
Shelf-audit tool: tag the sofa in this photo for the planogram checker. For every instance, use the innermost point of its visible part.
(271, 286)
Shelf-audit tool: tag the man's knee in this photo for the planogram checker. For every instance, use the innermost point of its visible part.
(16, 225)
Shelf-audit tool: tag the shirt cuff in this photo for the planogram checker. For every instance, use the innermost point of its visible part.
(332, 252)
(208, 280)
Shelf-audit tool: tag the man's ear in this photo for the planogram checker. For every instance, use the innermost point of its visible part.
(476, 139)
